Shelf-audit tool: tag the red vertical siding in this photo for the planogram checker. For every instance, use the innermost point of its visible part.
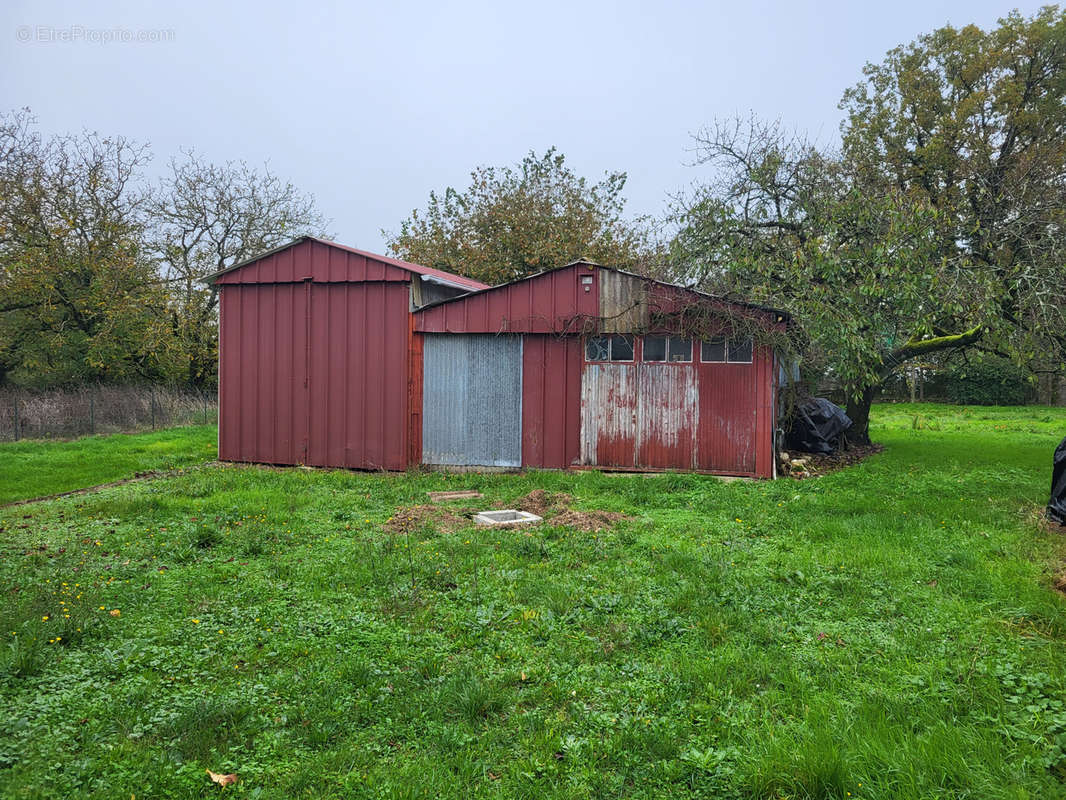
(555, 301)
(322, 262)
(668, 416)
(727, 417)
(551, 390)
(764, 413)
(414, 394)
(609, 414)
(262, 357)
(359, 375)
(315, 374)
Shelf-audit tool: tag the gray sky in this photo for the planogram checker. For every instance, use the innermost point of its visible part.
(370, 106)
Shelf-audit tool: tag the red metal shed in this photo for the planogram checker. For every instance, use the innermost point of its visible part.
(606, 373)
(318, 363)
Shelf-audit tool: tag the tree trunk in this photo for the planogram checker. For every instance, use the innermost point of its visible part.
(859, 411)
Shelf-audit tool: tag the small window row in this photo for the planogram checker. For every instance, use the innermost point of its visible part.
(658, 349)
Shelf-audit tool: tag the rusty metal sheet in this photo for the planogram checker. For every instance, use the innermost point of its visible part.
(623, 302)
(667, 416)
(609, 414)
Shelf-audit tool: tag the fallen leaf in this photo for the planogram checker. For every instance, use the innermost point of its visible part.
(523, 675)
(114, 612)
(822, 637)
(220, 779)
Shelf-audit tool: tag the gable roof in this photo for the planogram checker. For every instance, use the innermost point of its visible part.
(428, 273)
(784, 316)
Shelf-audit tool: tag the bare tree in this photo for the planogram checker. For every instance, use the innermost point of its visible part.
(207, 217)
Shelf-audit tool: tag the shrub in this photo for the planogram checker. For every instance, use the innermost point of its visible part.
(988, 382)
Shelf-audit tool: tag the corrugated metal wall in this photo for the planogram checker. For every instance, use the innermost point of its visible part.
(713, 417)
(551, 401)
(358, 375)
(558, 301)
(263, 412)
(640, 415)
(317, 260)
(472, 400)
(315, 371)
(730, 432)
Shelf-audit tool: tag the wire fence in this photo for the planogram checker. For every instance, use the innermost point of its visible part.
(87, 410)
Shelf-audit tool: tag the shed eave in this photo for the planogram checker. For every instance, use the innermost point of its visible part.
(444, 282)
(456, 281)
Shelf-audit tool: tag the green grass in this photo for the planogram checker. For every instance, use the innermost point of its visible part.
(41, 467)
(889, 632)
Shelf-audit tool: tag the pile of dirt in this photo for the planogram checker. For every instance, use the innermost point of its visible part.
(416, 517)
(1060, 583)
(588, 520)
(543, 503)
(825, 463)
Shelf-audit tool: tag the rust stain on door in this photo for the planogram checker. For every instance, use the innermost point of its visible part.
(609, 414)
(667, 416)
(639, 415)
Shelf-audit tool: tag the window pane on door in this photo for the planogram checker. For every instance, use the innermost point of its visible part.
(596, 348)
(712, 350)
(680, 349)
(621, 348)
(655, 348)
(740, 350)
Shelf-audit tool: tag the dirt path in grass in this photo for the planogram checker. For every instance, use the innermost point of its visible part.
(148, 475)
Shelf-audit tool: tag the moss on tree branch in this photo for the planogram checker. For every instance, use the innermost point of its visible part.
(918, 347)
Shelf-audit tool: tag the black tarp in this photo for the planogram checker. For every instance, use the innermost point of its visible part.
(1056, 507)
(817, 426)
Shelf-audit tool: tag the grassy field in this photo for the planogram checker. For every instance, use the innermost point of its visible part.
(890, 631)
(36, 467)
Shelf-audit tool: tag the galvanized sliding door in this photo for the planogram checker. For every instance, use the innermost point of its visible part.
(472, 400)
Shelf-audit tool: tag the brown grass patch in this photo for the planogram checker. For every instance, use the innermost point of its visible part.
(544, 503)
(589, 520)
(411, 519)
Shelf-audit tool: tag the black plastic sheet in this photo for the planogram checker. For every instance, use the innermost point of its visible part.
(1056, 508)
(817, 426)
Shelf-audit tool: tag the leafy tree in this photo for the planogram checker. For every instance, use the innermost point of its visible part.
(787, 225)
(207, 217)
(100, 276)
(974, 122)
(78, 298)
(512, 222)
(940, 224)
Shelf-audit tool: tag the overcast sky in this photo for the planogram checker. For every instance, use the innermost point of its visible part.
(371, 106)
